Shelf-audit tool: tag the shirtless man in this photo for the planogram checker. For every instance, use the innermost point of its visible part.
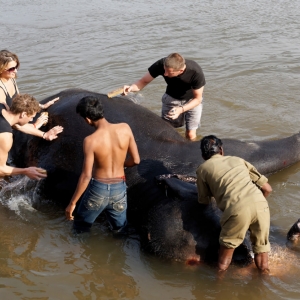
(23, 110)
(101, 185)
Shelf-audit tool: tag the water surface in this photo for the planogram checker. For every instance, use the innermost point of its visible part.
(249, 52)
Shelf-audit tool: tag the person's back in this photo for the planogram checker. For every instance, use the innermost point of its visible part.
(101, 185)
(231, 180)
(110, 145)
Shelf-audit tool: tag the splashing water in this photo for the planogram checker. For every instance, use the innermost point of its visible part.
(19, 194)
(136, 98)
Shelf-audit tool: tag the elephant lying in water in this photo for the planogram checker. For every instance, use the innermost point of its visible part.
(165, 210)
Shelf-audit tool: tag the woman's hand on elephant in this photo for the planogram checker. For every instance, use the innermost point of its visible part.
(49, 103)
(52, 133)
(69, 211)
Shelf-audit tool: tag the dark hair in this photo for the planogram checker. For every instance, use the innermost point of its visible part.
(90, 107)
(24, 103)
(210, 145)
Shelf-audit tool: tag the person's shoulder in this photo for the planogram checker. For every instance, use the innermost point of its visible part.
(126, 128)
(233, 157)
(236, 160)
(160, 61)
(192, 65)
(122, 125)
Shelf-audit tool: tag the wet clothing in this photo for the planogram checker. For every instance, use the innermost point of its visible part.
(110, 198)
(180, 87)
(4, 125)
(235, 184)
(8, 97)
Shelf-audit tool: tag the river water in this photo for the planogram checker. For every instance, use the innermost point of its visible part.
(249, 52)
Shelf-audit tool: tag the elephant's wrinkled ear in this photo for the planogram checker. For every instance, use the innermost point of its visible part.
(175, 186)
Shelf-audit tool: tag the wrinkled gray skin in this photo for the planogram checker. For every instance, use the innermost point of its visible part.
(172, 225)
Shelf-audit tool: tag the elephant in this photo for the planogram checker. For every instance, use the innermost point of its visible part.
(162, 194)
(294, 232)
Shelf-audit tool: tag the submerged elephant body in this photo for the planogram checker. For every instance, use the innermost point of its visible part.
(172, 224)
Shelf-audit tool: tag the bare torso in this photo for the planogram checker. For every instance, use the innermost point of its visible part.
(109, 145)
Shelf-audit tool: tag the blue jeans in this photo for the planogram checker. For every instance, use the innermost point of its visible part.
(98, 197)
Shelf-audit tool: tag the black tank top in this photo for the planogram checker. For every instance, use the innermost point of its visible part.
(4, 125)
(8, 97)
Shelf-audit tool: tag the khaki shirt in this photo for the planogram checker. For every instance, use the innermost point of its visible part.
(230, 180)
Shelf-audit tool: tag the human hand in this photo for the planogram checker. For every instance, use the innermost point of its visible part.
(126, 89)
(35, 173)
(175, 112)
(69, 211)
(266, 189)
(49, 103)
(52, 133)
(42, 120)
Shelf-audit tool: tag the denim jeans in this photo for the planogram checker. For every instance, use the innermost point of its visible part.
(98, 197)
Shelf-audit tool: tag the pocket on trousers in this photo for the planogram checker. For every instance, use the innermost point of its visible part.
(120, 205)
(93, 201)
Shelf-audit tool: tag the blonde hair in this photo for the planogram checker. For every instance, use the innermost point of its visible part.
(174, 61)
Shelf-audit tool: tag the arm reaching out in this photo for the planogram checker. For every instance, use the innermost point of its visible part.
(49, 135)
(83, 181)
(138, 85)
(49, 103)
(133, 157)
(5, 146)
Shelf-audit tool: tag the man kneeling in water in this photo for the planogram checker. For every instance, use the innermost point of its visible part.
(101, 185)
(240, 191)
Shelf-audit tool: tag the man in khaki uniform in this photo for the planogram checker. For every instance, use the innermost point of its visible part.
(240, 191)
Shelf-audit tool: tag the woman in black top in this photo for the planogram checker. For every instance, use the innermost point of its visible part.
(9, 64)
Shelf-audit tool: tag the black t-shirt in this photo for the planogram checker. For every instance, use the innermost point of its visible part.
(180, 87)
(4, 125)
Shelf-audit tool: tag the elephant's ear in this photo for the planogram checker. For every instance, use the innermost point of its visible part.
(180, 186)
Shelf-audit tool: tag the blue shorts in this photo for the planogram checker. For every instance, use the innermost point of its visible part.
(191, 118)
(98, 197)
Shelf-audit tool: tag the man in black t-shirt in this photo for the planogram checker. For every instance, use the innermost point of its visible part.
(182, 101)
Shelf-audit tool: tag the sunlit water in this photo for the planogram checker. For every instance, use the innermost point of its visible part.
(249, 52)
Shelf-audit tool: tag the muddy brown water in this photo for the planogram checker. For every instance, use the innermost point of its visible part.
(249, 52)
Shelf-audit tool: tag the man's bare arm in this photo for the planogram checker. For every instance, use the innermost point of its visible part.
(133, 157)
(49, 135)
(84, 179)
(138, 85)
(5, 170)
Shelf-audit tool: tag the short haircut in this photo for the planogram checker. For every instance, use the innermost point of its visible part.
(90, 107)
(210, 145)
(6, 57)
(174, 61)
(24, 103)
